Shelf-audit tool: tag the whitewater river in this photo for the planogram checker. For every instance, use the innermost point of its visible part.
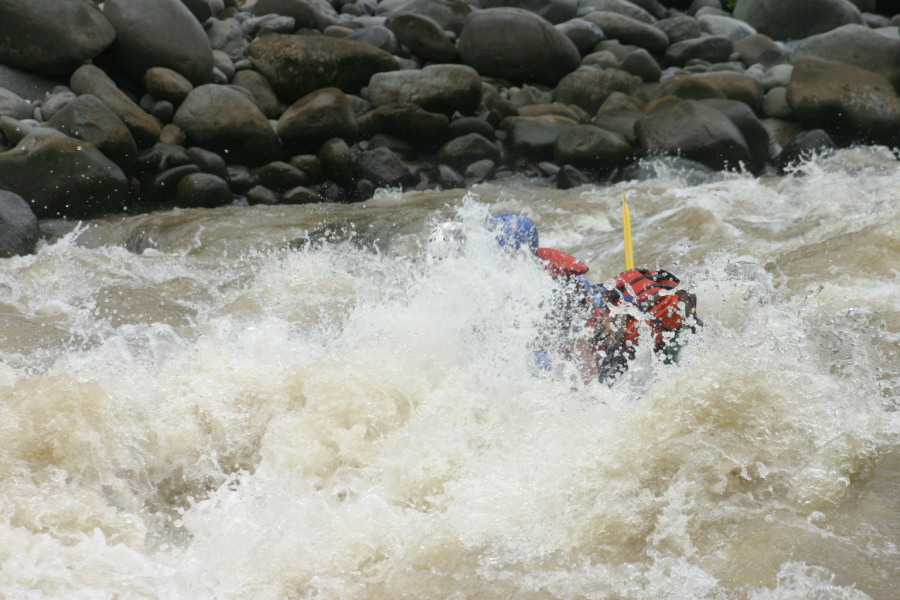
(193, 407)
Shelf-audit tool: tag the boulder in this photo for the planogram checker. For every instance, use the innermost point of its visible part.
(591, 148)
(534, 137)
(630, 31)
(307, 14)
(88, 118)
(423, 36)
(554, 11)
(53, 37)
(337, 161)
(19, 231)
(712, 48)
(260, 90)
(449, 14)
(733, 29)
(641, 64)
(13, 105)
(159, 33)
(620, 121)
(88, 79)
(280, 176)
(63, 177)
(693, 130)
(848, 102)
(687, 87)
(516, 45)
(202, 190)
(589, 88)
(26, 84)
(208, 162)
(796, 19)
(407, 122)
(165, 84)
(467, 149)
(679, 28)
(754, 132)
(436, 88)
(376, 35)
(759, 48)
(854, 45)
(584, 34)
(620, 7)
(224, 120)
(804, 146)
(383, 168)
(316, 118)
(297, 65)
(735, 86)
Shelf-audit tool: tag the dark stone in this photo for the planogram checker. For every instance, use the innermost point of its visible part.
(310, 164)
(436, 88)
(165, 84)
(590, 148)
(630, 31)
(19, 231)
(712, 48)
(262, 92)
(480, 170)
(378, 36)
(240, 179)
(279, 176)
(202, 190)
(297, 65)
(796, 19)
(63, 177)
(461, 126)
(259, 194)
(423, 36)
(516, 45)
(449, 14)
(401, 148)
(209, 162)
(640, 64)
(619, 121)
(679, 28)
(855, 45)
(161, 187)
(405, 121)
(534, 137)
(383, 168)
(583, 33)
(159, 33)
(465, 150)
(805, 146)
(589, 88)
(13, 105)
(52, 37)
(569, 177)
(449, 178)
(755, 134)
(87, 118)
(306, 14)
(300, 195)
(337, 160)
(316, 118)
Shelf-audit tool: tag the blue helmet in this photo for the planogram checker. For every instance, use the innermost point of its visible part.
(514, 231)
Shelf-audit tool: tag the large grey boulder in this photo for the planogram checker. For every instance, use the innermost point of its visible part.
(297, 65)
(19, 231)
(855, 45)
(159, 33)
(516, 45)
(796, 19)
(534, 137)
(630, 31)
(51, 36)
(589, 88)
(554, 11)
(436, 88)
(423, 36)
(88, 79)
(846, 101)
(591, 148)
(316, 118)
(88, 118)
(63, 177)
(693, 130)
(224, 120)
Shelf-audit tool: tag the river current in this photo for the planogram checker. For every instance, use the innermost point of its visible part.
(194, 404)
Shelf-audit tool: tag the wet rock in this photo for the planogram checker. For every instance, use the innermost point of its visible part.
(568, 111)
(630, 31)
(713, 49)
(161, 187)
(383, 168)
(88, 79)
(204, 9)
(854, 45)
(641, 64)
(775, 104)
(307, 14)
(568, 177)
(226, 121)
(590, 148)
(423, 36)
(554, 11)
(735, 86)
(28, 85)
(208, 162)
(584, 34)
(310, 164)
(87, 118)
(223, 63)
(755, 134)
(406, 121)
(337, 161)
(300, 195)
(695, 131)
(13, 105)
(796, 19)
(516, 45)
(436, 88)
(401, 148)
(621, 7)
(449, 14)
(226, 35)
(62, 177)
(55, 101)
(464, 125)
(275, 23)
(316, 118)
(262, 92)
(19, 231)
(172, 134)
(534, 137)
(844, 100)
(620, 121)
(280, 176)
(240, 179)
(259, 194)
(165, 84)
(376, 35)
(462, 151)
(297, 65)
(733, 29)
(52, 37)
(759, 48)
(159, 33)
(449, 178)
(202, 190)
(589, 88)
(480, 170)
(804, 146)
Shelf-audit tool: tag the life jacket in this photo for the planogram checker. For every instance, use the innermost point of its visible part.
(663, 305)
(559, 263)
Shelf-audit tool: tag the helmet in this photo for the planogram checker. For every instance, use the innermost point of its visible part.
(514, 231)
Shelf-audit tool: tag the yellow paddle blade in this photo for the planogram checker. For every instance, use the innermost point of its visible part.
(626, 231)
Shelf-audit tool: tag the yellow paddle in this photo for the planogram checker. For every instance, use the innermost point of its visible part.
(626, 231)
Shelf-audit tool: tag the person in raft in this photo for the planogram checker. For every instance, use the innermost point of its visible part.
(599, 327)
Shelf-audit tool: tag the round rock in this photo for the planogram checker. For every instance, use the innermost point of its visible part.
(18, 226)
(436, 88)
(589, 88)
(423, 36)
(316, 118)
(796, 19)
(202, 190)
(88, 118)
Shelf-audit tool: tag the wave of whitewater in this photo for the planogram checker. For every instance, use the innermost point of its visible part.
(192, 406)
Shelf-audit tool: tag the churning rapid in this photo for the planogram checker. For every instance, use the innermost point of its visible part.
(193, 406)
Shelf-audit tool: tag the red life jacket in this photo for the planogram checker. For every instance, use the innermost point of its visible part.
(560, 263)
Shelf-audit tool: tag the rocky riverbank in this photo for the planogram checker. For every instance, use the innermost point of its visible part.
(134, 105)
